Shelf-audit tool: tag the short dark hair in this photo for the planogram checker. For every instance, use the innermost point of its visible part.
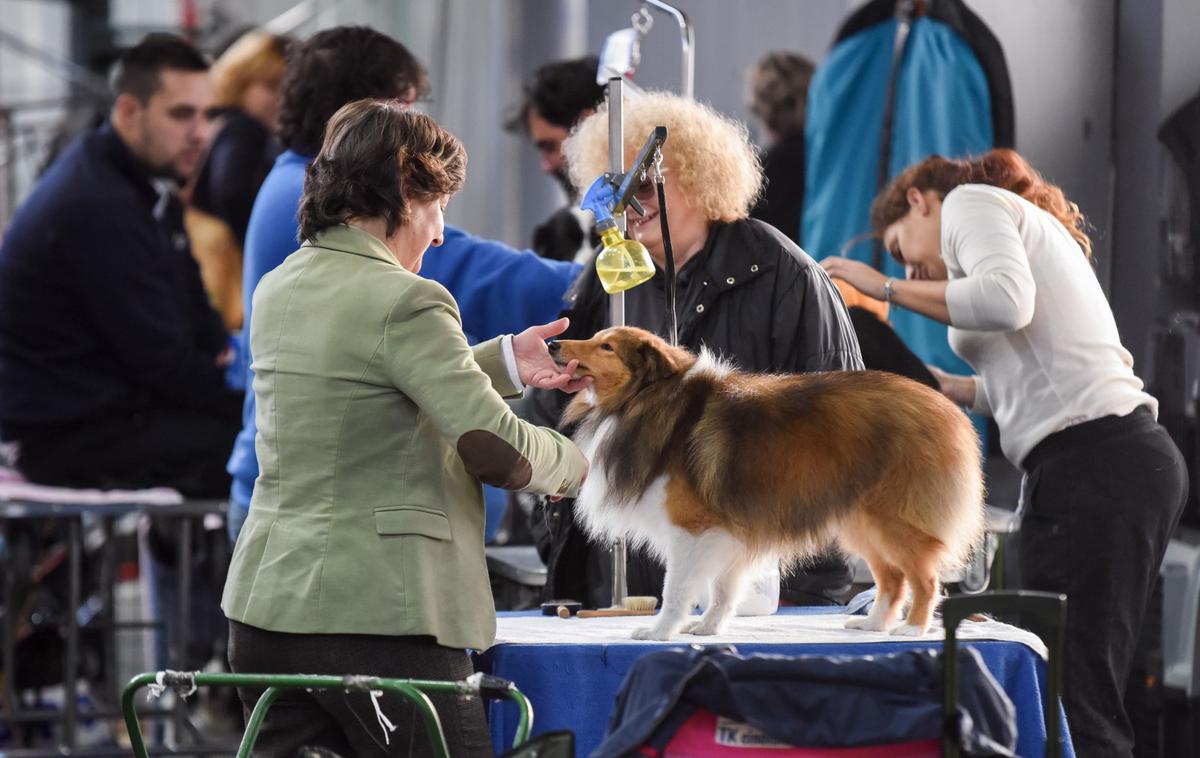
(139, 69)
(779, 91)
(377, 156)
(338, 66)
(559, 92)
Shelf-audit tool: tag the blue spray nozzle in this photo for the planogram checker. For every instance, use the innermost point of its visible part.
(600, 199)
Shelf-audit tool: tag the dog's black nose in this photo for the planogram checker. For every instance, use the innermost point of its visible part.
(554, 347)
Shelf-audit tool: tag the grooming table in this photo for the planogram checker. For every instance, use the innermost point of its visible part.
(571, 668)
(20, 499)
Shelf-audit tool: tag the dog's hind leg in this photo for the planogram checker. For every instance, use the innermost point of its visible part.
(920, 566)
(690, 566)
(889, 597)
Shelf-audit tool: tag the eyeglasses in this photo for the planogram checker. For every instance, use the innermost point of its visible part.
(645, 190)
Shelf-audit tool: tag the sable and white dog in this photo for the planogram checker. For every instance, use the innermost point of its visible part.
(716, 470)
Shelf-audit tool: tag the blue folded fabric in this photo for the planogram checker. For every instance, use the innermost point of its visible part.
(860, 604)
(810, 701)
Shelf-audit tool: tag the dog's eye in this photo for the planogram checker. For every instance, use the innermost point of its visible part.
(606, 346)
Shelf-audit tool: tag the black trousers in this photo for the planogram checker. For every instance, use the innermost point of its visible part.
(185, 450)
(347, 723)
(1101, 500)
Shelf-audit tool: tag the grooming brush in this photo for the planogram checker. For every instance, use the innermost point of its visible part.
(635, 605)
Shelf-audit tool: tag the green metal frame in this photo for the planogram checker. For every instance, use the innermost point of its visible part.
(416, 690)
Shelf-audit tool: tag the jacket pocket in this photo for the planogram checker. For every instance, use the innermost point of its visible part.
(412, 519)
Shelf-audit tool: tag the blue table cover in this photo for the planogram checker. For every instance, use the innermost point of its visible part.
(574, 686)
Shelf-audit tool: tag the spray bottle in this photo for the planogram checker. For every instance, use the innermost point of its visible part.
(622, 263)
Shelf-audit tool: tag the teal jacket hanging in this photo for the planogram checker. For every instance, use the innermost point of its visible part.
(950, 74)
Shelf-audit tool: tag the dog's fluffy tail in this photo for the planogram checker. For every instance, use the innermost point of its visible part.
(950, 503)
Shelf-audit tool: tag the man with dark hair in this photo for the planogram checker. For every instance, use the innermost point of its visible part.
(139, 72)
(111, 359)
(499, 290)
(555, 98)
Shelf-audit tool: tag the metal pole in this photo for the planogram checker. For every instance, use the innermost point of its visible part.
(11, 704)
(8, 189)
(108, 580)
(616, 165)
(74, 593)
(183, 630)
(687, 44)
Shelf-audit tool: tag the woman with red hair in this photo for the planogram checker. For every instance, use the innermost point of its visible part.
(1000, 255)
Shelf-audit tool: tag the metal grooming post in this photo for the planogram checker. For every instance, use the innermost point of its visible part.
(687, 44)
(616, 165)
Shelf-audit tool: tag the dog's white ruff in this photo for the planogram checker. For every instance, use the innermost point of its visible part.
(714, 559)
(710, 364)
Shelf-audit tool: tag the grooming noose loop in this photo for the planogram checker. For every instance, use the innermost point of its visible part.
(642, 21)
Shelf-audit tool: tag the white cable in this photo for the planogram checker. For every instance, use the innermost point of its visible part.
(384, 724)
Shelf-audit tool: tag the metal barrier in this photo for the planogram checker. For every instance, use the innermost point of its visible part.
(416, 690)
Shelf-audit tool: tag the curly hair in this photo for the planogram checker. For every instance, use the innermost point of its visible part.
(254, 57)
(708, 156)
(779, 91)
(1002, 167)
(377, 157)
(335, 67)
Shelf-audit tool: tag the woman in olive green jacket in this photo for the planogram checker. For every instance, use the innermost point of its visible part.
(363, 552)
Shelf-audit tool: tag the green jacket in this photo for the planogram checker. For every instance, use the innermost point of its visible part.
(376, 423)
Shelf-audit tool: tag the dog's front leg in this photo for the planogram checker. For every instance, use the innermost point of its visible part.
(677, 593)
(727, 589)
(694, 561)
(687, 572)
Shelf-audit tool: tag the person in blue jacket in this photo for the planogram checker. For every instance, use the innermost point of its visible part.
(499, 290)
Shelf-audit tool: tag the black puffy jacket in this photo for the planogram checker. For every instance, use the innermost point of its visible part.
(755, 298)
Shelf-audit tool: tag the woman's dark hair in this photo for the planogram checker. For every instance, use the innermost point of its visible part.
(335, 67)
(1001, 168)
(377, 157)
(779, 92)
(558, 92)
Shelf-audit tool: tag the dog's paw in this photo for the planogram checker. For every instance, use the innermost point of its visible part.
(909, 630)
(865, 623)
(651, 633)
(702, 628)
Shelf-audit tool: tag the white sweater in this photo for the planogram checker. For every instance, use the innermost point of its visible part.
(1028, 314)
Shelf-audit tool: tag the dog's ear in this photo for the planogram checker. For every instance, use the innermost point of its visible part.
(651, 363)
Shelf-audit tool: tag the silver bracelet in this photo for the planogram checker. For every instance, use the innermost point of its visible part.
(889, 289)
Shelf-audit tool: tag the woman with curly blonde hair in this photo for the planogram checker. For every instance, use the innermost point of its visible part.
(745, 291)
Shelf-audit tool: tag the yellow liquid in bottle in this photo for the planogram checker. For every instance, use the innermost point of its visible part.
(622, 264)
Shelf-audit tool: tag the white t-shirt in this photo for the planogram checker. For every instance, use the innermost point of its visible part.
(1029, 316)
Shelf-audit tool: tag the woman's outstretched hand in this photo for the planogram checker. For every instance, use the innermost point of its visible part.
(534, 364)
(857, 274)
(960, 389)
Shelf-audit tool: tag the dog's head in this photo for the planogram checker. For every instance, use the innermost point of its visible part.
(622, 361)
